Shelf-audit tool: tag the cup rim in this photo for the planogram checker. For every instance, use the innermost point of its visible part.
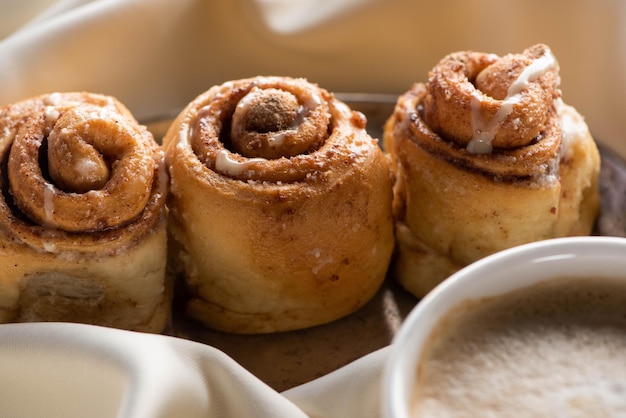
(395, 393)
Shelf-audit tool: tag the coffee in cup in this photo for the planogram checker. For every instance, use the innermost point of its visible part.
(558, 345)
(536, 330)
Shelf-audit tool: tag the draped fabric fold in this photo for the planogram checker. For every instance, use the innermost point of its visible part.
(175, 52)
(78, 370)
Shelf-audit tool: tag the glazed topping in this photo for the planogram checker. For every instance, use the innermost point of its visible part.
(96, 171)
(272, 129)
(482, 102)
(75, 165)
(48, 202)
(268, 110)
(490, 82)
(271, 123)
(78, 170)
(487, 80)
(225, 163)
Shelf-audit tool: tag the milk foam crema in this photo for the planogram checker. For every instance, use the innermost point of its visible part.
(554, 349)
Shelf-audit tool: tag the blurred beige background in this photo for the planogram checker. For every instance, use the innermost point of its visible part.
(156, 55)
(15, 13)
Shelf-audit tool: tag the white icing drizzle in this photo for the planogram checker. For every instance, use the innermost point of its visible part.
(277, 139)
(48, 200)
(227, 165)
(485, 130)
(49, 246)
(310, 101)
(245, 103)
(51, 115)
(6, 132)
(53, 99)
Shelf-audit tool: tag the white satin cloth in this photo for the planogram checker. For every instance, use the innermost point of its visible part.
(75, 370)
(157, 55)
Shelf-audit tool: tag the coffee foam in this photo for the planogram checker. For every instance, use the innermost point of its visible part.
(558, 346)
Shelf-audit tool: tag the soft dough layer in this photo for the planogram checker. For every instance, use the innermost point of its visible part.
(82, 215)
(271, 243)
(460, 199)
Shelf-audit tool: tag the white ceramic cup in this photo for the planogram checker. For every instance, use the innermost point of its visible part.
(505, 271)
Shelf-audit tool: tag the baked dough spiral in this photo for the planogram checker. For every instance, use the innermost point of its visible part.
(82, 214)
(486, 156)
(281, 205)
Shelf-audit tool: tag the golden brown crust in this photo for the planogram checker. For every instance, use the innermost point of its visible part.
(128, 206)
(277, 243)
(79, 140)
(532, 161)
(272, 123)
(83, 204)
(467, 90)
(453, 205)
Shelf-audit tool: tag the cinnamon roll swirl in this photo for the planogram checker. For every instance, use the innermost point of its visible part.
(486, 156)
(280, 204)
(82, 214)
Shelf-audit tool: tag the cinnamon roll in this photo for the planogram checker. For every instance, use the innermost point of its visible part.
(280, 205)
(486, 156)
(82, 214)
